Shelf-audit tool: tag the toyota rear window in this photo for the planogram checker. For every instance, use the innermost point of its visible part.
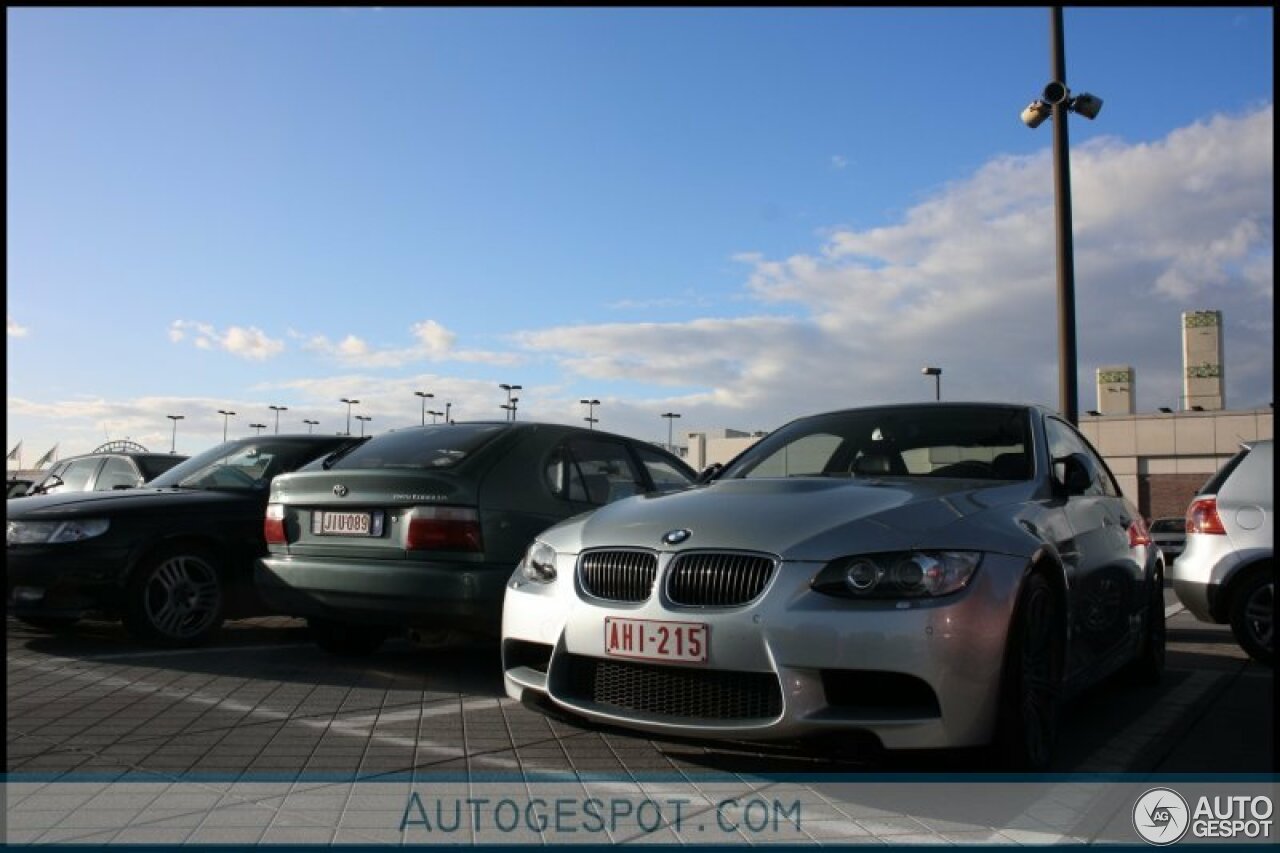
(430, 447)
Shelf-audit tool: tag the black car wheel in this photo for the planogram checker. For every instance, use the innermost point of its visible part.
(1253, 616)
(1027, 723)
(1149, 665)
(339, 638)
(176, 598)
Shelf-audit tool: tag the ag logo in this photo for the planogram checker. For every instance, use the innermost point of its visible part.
(675, 537)
(1161, 817)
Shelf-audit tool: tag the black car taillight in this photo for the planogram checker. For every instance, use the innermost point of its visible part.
(444, 528)
(273, 525)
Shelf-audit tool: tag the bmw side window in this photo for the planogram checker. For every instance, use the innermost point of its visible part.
(1063, 441)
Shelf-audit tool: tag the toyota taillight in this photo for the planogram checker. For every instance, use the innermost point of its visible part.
(444, 528)
(273, 525)
(1202, 517)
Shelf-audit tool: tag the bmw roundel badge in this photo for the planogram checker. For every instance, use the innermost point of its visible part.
(340, 490)
(675, 537)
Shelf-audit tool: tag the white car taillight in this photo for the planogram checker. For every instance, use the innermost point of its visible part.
(1202, 517)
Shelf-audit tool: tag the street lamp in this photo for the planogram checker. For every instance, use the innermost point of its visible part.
(349, 403)
(363, 419)
(670, 416)
(936, 373)
(258, 427)
(424, 395)
(310, 424)
(226, 415)
(510, 406)
(434, 414)
(278, 410)
(590, 404)
(1056, 103)
(447, 406)
(173, 446)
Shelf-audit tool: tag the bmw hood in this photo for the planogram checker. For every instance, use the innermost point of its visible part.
(810, 518)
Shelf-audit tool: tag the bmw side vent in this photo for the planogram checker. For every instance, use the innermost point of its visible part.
(618, 575)
(706, 579)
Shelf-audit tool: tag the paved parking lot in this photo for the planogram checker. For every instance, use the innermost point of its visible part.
(109, 741)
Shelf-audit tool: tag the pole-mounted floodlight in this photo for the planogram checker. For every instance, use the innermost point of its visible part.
(226, 416)
(363, 419)
(447, 407)
(511, 410)
(424, 395)
(278, 410)
(936, 373)
(310, 424)
(1056, 103)
(349, 403)
(591, 405)
(670, 416)
(258, 427)
(173, 445)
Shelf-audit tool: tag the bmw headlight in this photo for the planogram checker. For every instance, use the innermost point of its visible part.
(903, 574)
(539, 563)
(54, 532)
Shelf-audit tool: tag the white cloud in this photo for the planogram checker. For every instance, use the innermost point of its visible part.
(250, 343)
(434, 343)
(838, 161)
(967, 280)
(15, 330)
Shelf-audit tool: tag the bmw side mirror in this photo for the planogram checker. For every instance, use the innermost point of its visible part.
(1071, 474)
(709, 473)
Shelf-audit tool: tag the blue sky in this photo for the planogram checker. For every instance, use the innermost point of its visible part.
(742, 215)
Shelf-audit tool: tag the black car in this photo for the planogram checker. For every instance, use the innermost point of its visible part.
(103, 472)
(173, 558)
(421, 528)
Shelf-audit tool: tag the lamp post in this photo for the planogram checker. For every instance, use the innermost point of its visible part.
(424, 395)
(510, 407)
(258, 427)
(310, 424)
(434, 414)
(1056, 103)
(670, 416)
(447, 406)
(936, 373)
(349, 403)
(226, 416)
(173, 445)
(590, 404)
(278, 410)
(363, 419)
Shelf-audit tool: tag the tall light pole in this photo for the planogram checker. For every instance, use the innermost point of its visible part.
(447, 406)
(591, 405)
(310, 424)
(278, 410)
(173, 445)
(670, 416)
(936, 373)
(226, 416)
(349, 403)
(434, 414)
(511, 409)
(1056, 103)
(258, 427)
(424, 395)
(363, 419)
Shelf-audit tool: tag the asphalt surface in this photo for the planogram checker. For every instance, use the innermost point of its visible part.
(263, 706)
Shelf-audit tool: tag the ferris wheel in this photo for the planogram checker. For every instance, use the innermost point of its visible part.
(120, 446)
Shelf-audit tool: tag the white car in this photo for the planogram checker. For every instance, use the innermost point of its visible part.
(935, 575)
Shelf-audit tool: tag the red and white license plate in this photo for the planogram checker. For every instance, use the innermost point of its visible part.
(649, 639)
(325, 523)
